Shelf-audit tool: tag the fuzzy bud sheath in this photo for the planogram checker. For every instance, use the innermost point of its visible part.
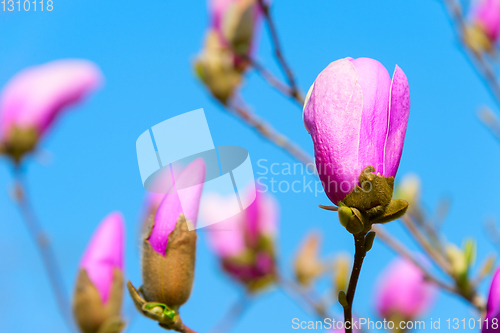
(34, 98)
(99, 287)
(168, 251)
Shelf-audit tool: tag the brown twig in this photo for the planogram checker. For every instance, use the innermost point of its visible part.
(424, 243)
(301, 296)
(294, 90)
(231, 318)
(273, 80)
(272, 135)
(400, 249)
(490, 120)
(480, 62)
(44, 247)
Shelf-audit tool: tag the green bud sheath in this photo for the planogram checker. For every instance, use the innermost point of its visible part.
(345, 214)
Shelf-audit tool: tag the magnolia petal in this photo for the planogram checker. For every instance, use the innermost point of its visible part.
(375, 83)
(333, 118)
(104, 253)
(36, 95)
(185, 199)
(486, 14)
(402, 291)
(399, 111)
(226, 237)
(493, 305)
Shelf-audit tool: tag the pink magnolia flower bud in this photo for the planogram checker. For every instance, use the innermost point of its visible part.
(34, 97)
(169, 249)
(99, 288)
(402, 293)
(493, 306)
(356, 117)
(105, 253)
(245, 242)
(235, 21)
(486, 16)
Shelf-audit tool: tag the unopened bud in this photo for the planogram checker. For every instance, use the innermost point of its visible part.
(168, 279)
(307, 264)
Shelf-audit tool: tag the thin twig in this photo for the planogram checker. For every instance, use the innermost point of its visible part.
(490, 120)
(295, 92)
(272, 135)
(424, 243)
(480, 62)
(301, 297)
(44, 248)
(400, 249)
(231, 317)
(273, 80)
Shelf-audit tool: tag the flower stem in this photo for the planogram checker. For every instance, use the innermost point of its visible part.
(233, 315)
(359, 257)
(44, 248)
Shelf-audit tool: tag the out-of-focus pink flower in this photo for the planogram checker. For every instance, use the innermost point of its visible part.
(493, 306)
(170, 208)
(402, 291)
(105, 253)
(34, 97)
(486, 16)
(245, 242)
(357, 117)
(236, 21)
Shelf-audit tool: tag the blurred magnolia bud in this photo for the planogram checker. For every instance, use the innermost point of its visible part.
(484, 27)
(235, 21)
(307, 264)
(34, 98)
(493, 306)
(409, 189)
(245, 243)
(341, 272)
(168, 257)
(402, 293)
(99, 287)
(457, 259)
(215, 67)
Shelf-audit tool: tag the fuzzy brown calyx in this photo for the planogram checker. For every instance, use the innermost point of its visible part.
(370, 203)
(168, 279)
(19, 142)
(92, 316)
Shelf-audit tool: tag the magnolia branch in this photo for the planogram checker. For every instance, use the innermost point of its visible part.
(294, 89)
(269, 133)
(44, 247)
(481, 64)
(231, 318)
(302, 296)
(400, 249)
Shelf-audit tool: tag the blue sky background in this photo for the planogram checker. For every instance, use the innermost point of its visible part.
(145, 50)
